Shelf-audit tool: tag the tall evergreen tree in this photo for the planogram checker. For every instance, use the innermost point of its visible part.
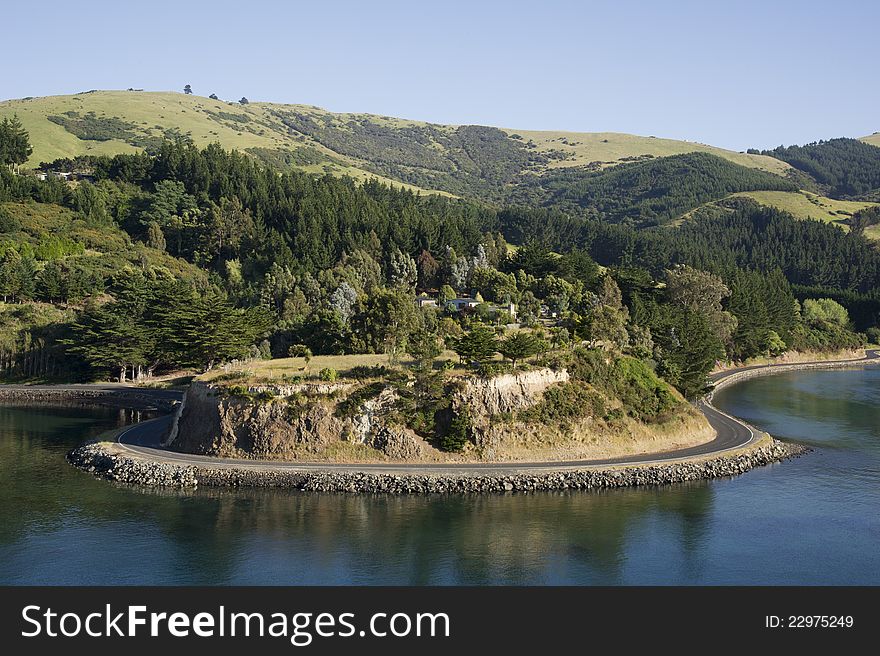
(15, 147)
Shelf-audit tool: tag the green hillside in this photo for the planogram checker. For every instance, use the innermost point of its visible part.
(802, 205)
(873, 139)
(806, 205)
(470, 161)
(53, 258)
(602, 149)
(648, 192)
(842, 168)
(51, 233)
(186, 258)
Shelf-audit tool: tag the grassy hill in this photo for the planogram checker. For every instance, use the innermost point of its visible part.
(873, 139)
(463, 160)
(602, 149)
(806, 205)
(803, 205)
(648, 192)
(111, 122)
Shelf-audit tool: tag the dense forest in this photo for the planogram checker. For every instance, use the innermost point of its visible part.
(189, 257)
(844, 168)
(646, 193)
(736, 233)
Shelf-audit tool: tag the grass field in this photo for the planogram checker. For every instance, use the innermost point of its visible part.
(873, 139)
(612, 147)
(806, 205)
(803, 205)
(296, 367)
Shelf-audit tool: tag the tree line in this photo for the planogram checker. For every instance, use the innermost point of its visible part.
(647, 193)
(302, 262)
(843, 168)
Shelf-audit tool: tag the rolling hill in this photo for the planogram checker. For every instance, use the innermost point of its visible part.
(474, 161)
(801, 204)
(842, 168)
(805, 205)
(648, 192)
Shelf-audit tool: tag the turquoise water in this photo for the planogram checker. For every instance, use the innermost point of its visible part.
(814, 520)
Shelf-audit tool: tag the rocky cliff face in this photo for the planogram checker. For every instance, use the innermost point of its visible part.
(296, 427)
(360, 422)
(487, 397)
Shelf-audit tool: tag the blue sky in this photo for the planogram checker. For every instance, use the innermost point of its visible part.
(733, 74)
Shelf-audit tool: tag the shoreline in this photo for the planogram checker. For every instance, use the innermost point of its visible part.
(728, 377)
(96, 458)
(111, 460)
(116, 396)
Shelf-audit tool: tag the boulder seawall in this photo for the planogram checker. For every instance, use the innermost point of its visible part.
(124, 397)
(104, 460)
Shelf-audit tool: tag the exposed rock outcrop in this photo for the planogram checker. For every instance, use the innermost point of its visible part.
(304, 421)
(486, 397)
(294, 428)
(233, 426)
(365, 422)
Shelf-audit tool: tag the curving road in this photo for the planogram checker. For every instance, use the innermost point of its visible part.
(731, 433)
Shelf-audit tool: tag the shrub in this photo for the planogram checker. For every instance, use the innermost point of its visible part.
(328, 374)
(362, 371)
(873, 334)
(565, 402)
(300, 351)
(265, 396)
(8, 223)
(456, 438)
(492, 369)
(640, 390)
(237, 390)
(351, 404)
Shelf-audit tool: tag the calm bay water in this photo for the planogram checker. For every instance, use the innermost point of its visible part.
(815, 520)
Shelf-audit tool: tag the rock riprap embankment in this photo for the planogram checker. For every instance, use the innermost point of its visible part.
(122, 397)
(103, 459)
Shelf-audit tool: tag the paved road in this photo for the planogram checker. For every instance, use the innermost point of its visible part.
(731, 433)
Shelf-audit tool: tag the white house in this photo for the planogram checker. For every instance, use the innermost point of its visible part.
(459, 304)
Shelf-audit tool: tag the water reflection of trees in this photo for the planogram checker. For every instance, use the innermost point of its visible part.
(827, 408)
(39, 487)
(286, 537)
(336, 538)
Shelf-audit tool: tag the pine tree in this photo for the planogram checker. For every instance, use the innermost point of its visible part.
(520, 345)
(15, 147)
(108, 338)
(477, 345)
